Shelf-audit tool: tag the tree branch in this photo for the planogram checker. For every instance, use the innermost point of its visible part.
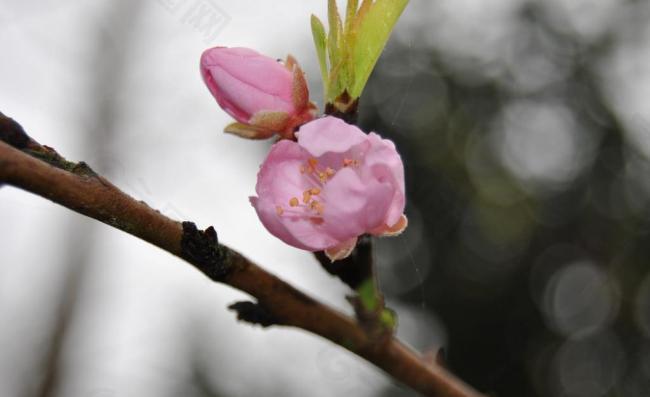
(39, 169)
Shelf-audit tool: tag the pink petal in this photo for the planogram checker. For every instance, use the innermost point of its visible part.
(259, 71)
(299, 233)
(329, 134)
(231, 108)
(278, 181)
(352, 205)
(247, 97)
(385, 165)
(244, 82)
(279, 178)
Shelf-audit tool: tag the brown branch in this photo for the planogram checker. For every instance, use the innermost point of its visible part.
(27, 165)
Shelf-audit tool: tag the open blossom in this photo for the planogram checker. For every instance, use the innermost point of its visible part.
(331, 186)
(262, 94)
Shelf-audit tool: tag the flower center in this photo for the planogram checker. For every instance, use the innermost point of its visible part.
(312, 204)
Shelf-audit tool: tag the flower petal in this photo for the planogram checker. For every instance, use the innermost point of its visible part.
(383, 163)
(278, 181)
(254, 69)
(297, 232)
(354, 206)
(245, 82)
(329, 134)
(279, 178)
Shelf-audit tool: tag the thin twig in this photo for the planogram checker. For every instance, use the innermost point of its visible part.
(27, 165)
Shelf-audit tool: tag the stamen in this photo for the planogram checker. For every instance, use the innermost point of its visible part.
(306, 196)
(314, 191)
(329, 172)
(279, 210)
(313, 161)
(318, 207)
(293, 202)
(347, 162)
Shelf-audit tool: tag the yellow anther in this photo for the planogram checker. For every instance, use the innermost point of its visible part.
(312, 161)
(314, 191)
(322, 176)
(316, 206)
(329, 172)
(279, 210)
(293, 202)
(306, 196)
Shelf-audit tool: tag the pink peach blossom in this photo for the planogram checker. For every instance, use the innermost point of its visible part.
(262, 94)
(333, 185)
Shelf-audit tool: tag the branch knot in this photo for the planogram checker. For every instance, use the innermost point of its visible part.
(201, 248)
(12, 133)
(253, 313)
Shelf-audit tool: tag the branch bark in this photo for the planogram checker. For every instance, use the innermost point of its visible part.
(39, 169)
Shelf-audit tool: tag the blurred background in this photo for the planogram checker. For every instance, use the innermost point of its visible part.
(525, 131)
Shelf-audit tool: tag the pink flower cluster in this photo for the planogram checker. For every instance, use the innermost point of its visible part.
(332, 185)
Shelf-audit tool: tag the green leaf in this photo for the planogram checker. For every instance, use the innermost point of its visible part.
(388, 319)
(347, 46)
(373, 31)
(320, 42)
(336, 30)
(335, 46)
(368, 295)
(350, 13)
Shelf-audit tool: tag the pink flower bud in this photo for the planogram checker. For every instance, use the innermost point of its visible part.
(331, 186)
(262, 94)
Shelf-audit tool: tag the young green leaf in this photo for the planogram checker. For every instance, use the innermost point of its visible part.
(320, 42)
(368, 295)
(335, 45)
(388, 319)
(347, 41)
(335, 25)
(350, 13)
(362, 11)
(375, 24)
